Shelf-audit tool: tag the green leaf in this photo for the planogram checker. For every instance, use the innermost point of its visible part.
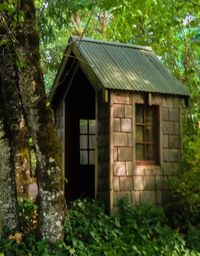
(72, 251)
(3, 7)
(19, 64)
(3, 41)
(138, 11)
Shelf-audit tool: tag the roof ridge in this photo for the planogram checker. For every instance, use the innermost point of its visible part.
(128, 45)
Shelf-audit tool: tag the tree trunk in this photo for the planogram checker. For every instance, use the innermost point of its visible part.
(8, 195)
(40, 122)
(8, 200)
(9, 127)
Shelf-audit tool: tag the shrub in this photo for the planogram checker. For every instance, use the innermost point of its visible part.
(185, 189)
(89, 230)
(184, 201)
(193, 237)
(134, 230)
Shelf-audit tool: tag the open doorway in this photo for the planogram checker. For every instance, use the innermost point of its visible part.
(80, 139)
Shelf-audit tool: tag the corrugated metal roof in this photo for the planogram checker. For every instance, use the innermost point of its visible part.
(128, 67)
(124, 67)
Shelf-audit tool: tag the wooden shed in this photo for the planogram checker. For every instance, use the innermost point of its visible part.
(118, 114)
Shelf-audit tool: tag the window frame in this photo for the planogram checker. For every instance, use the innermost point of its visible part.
(155, 134)
(88, 149)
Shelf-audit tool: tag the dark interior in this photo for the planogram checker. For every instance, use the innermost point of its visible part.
(79, 104)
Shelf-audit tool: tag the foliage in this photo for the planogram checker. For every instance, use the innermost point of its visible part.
(185, 189)
(57, 20)
(140, 230)
(185, 198)
(133, 230)
(193, 237)
(28, 245)
(27, 214)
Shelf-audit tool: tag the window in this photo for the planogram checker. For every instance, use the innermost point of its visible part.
(87, 141)
(146, 134)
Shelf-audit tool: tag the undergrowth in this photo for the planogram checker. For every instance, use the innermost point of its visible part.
(133, 230)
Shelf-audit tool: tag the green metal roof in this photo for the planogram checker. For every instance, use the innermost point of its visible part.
(124, 67)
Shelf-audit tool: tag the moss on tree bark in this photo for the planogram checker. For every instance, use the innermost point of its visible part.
(40, 122)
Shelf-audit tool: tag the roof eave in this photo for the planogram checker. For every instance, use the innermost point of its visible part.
(72, 48)
(60, 71)
(87, 69)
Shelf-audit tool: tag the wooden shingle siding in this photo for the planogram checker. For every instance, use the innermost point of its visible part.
(141, 184)
(103, 151)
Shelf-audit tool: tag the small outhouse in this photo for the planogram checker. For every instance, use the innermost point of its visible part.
(118, 114)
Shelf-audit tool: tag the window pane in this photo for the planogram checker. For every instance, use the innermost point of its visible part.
(92, 126)
(92, 141)
(83, 142)
(139, 133)
(92, 157)
(83, 157)
(149, 116)
(149, 133)
(139, 152)
(146, 128)
(139, 114)
(83, 126)
(149, 152)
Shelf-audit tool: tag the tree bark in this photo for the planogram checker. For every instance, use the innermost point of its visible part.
(8, 200)
(9, 127)
(40, 122)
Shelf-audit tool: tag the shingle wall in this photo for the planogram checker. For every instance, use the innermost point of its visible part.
(143, 183)
(103, 158)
